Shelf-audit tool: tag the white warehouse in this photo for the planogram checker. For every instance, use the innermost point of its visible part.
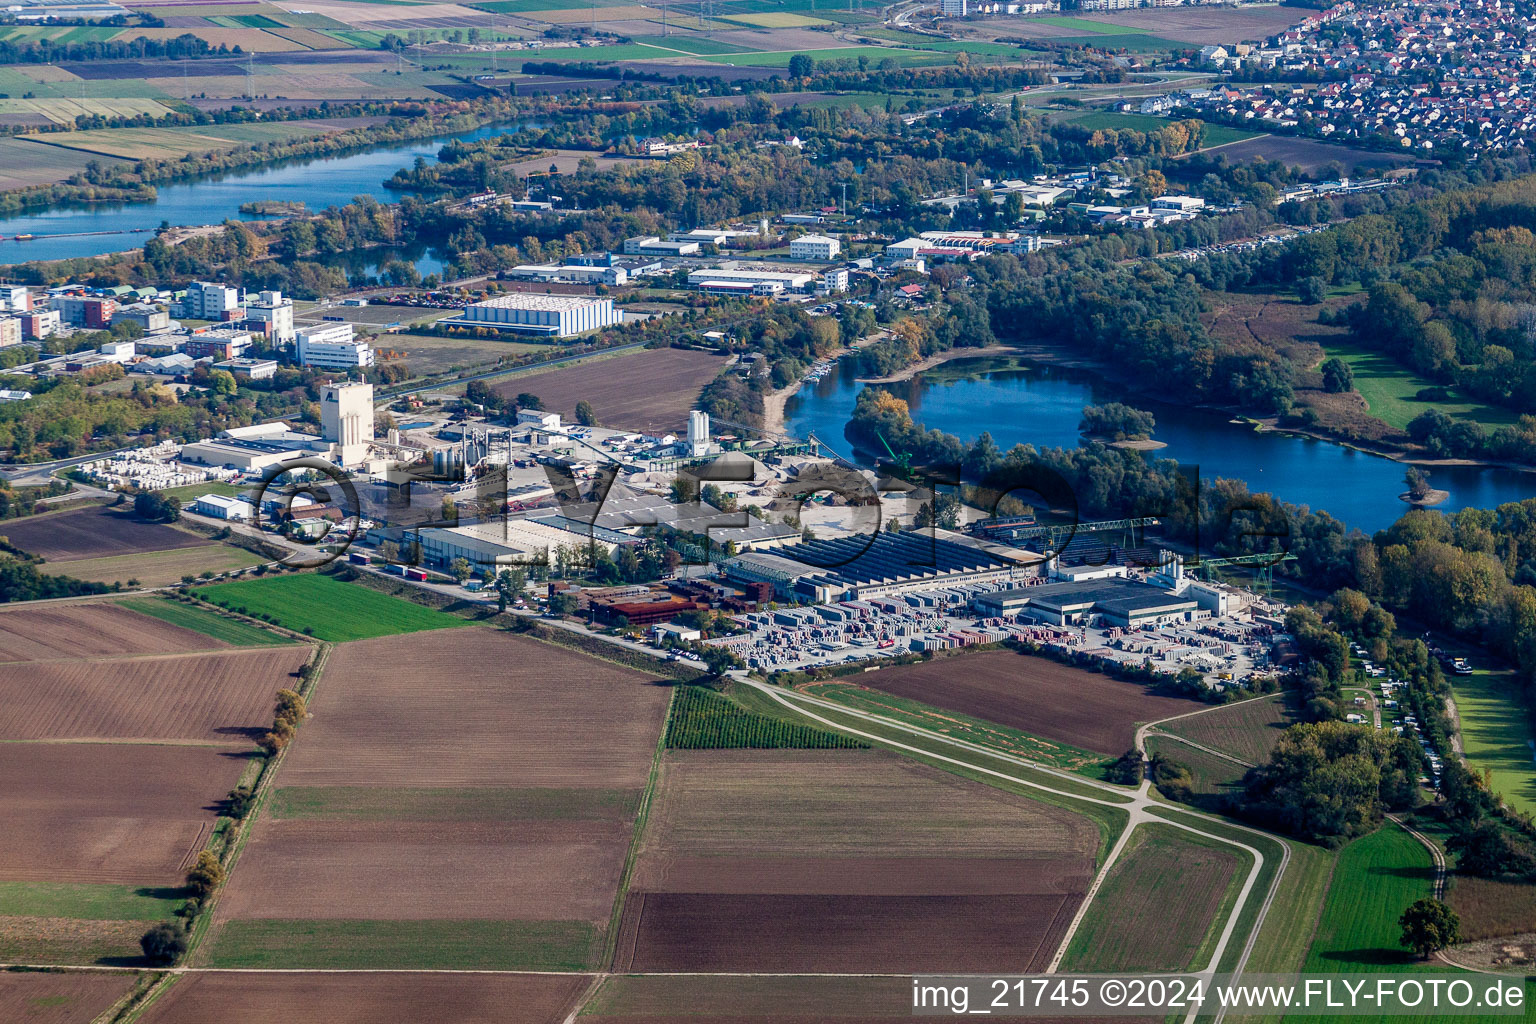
(558, 316)
(814, 247)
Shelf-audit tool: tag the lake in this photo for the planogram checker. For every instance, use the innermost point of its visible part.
(1042, 407)
(318, 183)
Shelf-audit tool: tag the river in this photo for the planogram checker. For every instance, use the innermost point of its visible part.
(1042, 407)
(212, 199)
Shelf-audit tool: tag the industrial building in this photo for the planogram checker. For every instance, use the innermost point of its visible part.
(502, 542)
(223, 506)
(631, 515)
(556, 316)
(332, 347)
(1114, 601)
(256, 448)
(346, 420)
(742, 281)
(867, 566)
(814, 247)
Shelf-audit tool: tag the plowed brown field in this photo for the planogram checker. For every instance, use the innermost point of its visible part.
(367, 999)
(650, 390)
(847, 861)
(476, 707)
(73, 998)
(1036, 695)
(132, 813)
(545, 871)
(216, 697)
(88, 630)
(93, 532)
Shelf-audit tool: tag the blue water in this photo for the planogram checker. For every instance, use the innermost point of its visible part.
(1042, 407)
(318, 183)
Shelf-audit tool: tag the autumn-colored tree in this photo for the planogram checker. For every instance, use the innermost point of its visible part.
(206, 875)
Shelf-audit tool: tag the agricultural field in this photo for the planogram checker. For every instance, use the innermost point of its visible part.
(427, 356)
(960, 726)
(1199, 26)
(1376, 878)
(534, 775)
(822, 861)
(124, 813)
(123, 734)
(156, 568)
(1247, 730)
(326, 608)
(24, 163)
(1495, 739)
(327, 998)
(1209, 775)
(56, 998)
(1034, 695)
(875, 54)
(1312, 156)
(702, 719)
(53, 631)
(64, 111)
(143, 143)
(804, 999)
(1160, 904)
(651, 390)
(93, 532)
(208, 697)
(775, 20)
(1490, 908)
(201, 620)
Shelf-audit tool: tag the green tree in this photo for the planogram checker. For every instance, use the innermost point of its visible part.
(801, 66)
(1338, 376)
(528, 400)
(164, 944)
(584, 414)
(460, 569)
(222, 382)
(1429, 926)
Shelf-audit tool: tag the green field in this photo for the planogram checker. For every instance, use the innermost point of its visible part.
(327, 608)
(701, 719)
(525, 6)
(156, 568)
(780, 59)
(1376, 878)
(87, 902)
(436, 945)
(1144, 895)
(203, 621)
(689, 44)
(964, 727)
(1210, 775)
(1087, 25)
(1286, 938)
(1388, 388)
(1127, 40)
(1495, 736)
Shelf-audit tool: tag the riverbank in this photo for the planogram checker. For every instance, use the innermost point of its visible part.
(1046, 355)
(939, 359)
(775, 401)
